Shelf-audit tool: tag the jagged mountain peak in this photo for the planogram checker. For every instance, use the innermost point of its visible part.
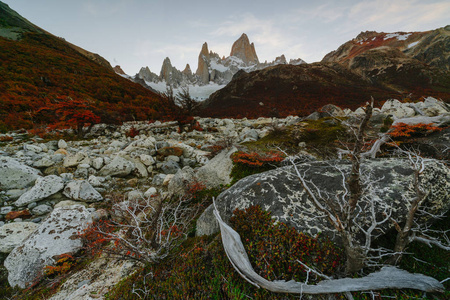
(244, 50)
(212, 68)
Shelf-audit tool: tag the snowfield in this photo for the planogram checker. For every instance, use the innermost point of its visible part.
(197, 92)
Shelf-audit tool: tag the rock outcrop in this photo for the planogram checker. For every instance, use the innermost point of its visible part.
(280, 192)
(119, 70)
(55, 236)
(244, 50)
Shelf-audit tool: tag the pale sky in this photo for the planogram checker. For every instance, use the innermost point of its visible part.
(139, 33)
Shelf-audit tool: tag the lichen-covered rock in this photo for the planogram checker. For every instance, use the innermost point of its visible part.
(14, 175)
(181, 181)
(280, 192)
(82, 190)
(44, 187)
(119, 167)
(58, 234)
(170, 167)
(12, 234)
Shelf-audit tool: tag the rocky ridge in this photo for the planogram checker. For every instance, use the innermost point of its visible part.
(212, 68)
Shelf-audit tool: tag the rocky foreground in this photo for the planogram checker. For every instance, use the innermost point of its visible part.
(48, 189)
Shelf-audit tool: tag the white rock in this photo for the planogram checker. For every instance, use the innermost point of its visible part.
(33, 148)
(147, 160)
(58, 234)
(135, 195)
(72, 160)
(150, 192)
(217, 171)
(433, 107)
(13, 234)
(62, 144)
(167, 179)
(96, 180)
(119, 167)
(43, 163)
(97, 163)
(44, 187)
(14, 175)
(41, 210)
(67, 203)
(82, 190)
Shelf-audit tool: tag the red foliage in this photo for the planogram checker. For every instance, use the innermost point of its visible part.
(254, 159)
(132, 132)
(402, 130)
(70, 113)
(24, 214)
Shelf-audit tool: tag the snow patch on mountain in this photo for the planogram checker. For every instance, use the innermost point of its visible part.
(197, 92)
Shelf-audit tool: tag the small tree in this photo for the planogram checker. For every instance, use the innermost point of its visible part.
(181, 107)
(68, 112)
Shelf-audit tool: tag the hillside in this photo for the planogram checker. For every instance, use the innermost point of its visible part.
(38, 69)
(290, 90)
(381, 65)
(404, 61)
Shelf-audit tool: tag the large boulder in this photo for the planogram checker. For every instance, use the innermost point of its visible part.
(14, 175)
(82, 190)
(280, 192)
(57, 235)
(217, 171)
(44, 187)
(182, 181)
(13, 234)
(119, 167)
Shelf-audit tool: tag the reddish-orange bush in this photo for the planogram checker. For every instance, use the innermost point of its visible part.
(132, 132)
(255, 159)
(402, 130)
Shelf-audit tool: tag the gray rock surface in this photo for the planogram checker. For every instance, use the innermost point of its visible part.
(82, 190)
(119, 167)
(280, 192)
(57, 235)
(44, 187)
(181, 181)
(14, 175)
(216, 172)
(170, 167)
(13, 234)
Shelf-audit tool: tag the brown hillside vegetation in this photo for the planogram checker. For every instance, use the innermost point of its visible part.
(289, 90)
(39, 68)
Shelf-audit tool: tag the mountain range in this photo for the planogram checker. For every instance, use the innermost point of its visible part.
(211, 69)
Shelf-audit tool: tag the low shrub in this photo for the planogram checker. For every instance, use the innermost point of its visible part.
(63, 265)
(132, 132)
(246, 164)
(404, 131)
(275, 248)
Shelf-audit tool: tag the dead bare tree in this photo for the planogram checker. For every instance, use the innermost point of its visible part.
(147, 229)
